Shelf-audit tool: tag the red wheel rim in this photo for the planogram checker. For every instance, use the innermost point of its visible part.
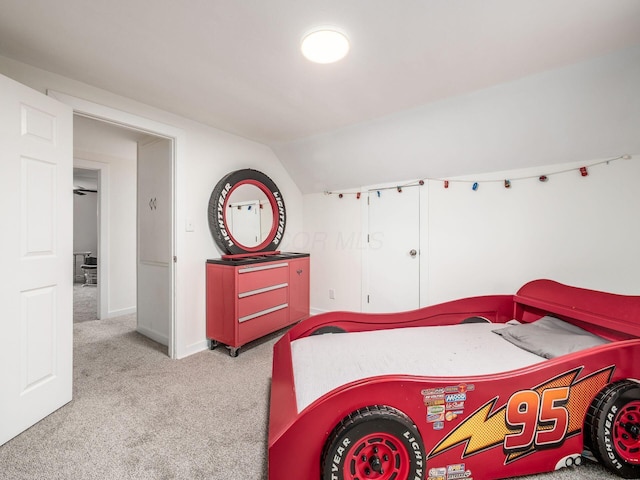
(377, 456)
(626, 432)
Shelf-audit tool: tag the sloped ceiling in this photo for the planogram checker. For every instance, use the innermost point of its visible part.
(236, 65)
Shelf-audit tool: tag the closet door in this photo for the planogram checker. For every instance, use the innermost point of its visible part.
(155, 257)
(392, 262)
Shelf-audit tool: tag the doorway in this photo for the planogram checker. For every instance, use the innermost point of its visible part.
(391, 271)
(176, 136)
(116, 154)
(85, 244)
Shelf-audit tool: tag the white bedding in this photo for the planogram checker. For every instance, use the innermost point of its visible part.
(324, 362)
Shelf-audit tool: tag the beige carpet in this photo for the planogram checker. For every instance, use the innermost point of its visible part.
(85, 303)
(136, 414)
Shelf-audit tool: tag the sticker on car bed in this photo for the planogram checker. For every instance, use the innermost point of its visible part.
(452, 415)
(433, 391)
(460, 388)
(543, 416)
(438, 473)
(457, 471)
(455, 397)
(435, 417)
(433, 399)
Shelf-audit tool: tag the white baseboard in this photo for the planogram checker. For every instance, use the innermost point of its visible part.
(120, 312)
(193, 348)
(162, 339)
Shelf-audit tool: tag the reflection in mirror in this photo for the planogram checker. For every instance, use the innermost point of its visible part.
(249, 215)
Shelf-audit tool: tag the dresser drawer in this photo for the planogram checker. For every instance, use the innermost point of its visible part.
(264, 324)
(252, 303)
(261, 276)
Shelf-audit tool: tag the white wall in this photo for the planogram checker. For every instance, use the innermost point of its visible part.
(587, 110)
(208, 155)
(333, 234)
(582, 231)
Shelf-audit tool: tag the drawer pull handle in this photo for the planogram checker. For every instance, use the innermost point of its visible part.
(262, 312)
(262, 267)
(299, 271)
(262, 290)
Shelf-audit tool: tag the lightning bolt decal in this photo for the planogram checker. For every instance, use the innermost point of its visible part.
(480, 431)
(559, 403)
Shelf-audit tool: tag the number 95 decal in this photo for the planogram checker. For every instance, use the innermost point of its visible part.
(531, 412)
(540, 417)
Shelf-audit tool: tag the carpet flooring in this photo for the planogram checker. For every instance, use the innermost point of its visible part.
(136, 414)
(85, 303)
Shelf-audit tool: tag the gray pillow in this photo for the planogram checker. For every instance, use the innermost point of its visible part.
(550, 337)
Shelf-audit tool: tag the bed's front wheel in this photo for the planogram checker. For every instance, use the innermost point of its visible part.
(377, 443)
(613, 428)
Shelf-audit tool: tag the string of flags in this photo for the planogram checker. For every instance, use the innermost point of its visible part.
(475, 184)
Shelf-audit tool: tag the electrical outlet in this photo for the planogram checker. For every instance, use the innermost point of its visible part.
(332, 294)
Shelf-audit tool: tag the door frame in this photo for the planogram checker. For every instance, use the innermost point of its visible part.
(423, 241)
(128, 120)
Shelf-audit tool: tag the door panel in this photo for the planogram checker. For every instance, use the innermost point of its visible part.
(37, 211)
(245, 223)
(394, 231)
(36, 327)
(37, 339)
(155, 227)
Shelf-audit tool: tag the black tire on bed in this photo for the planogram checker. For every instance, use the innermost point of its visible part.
(328, 329)
(612, 428)
(374, 442)
(476, 320)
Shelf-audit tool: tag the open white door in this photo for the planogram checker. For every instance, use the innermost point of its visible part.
(36, 207)
(393, 251)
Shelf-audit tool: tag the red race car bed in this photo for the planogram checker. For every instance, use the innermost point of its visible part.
(479, 388)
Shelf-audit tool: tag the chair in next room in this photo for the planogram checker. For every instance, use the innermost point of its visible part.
(90, 269)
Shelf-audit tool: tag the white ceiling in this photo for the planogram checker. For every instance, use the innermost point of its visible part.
(236, 65)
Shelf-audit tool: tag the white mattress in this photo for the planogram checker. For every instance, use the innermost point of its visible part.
(324, 362)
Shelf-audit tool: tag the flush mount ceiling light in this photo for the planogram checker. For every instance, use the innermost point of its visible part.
(324, 45)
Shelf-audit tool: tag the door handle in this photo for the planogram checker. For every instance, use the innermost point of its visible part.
(413, 253)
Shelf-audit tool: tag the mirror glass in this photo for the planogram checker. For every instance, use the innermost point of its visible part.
(249, 215)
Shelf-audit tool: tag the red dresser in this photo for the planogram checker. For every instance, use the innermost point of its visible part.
(248, 298)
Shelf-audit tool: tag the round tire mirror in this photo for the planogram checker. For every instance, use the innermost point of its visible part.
(246, 213)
